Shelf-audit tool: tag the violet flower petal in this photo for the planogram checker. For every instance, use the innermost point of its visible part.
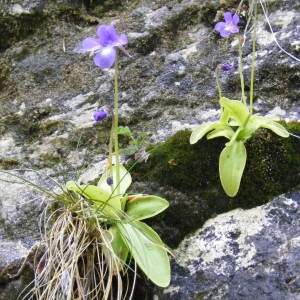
(90, 44)
(228, 17)
(105, 58)
(234, 29)
(225, 33)
(220, 26)
(122, 40)
(235, 19)
(107, 35)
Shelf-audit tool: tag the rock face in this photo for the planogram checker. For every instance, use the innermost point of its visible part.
(243, 254)
(21, 218)
(49, 90)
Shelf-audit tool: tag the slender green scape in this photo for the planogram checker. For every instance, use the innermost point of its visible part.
(116, 122)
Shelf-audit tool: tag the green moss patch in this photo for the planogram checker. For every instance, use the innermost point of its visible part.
(190, 179)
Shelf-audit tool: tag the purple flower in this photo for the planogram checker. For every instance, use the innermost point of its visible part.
(99, 115)
(227, 67)
(104, 45)
(229, 26)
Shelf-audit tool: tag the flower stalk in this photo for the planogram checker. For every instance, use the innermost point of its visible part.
(253, 59)
(243, 97)
(116, 124)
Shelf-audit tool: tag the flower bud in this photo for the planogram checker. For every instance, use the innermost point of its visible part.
(99, 115)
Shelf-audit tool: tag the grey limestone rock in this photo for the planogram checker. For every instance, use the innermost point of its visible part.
(20, 220)
(242, 254)
(48, 90)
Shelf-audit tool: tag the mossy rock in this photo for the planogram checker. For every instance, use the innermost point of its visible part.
(13, 28)
(190, 179)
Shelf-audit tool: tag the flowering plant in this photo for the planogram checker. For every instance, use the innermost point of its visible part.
(92, 232)
(237, 122)
(119, 213)
(98, 228)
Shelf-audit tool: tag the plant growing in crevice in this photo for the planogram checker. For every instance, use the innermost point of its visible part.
(120, 214)
(237, 122)
(95, 232)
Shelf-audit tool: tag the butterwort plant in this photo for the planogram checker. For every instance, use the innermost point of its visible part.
(237, 122)
(123, 212)
(94, 233)
(97, 234)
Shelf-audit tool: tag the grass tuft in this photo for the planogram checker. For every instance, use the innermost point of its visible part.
(78, 261)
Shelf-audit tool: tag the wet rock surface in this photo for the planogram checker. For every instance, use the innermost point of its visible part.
(243, 254)
(49, 90)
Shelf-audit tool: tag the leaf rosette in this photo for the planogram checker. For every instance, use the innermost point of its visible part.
(238, 125)
(123, 214)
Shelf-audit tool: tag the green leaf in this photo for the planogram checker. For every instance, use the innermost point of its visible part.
(148, 251)
(90, 192)
(252, 125)
(141, 207)
(236, 110)
(221, 130)
(256, 122)
(125, 181)
(272, 125)
(124, 130)
(231, 167)
(119, 247)
(124, 200)
(201, 130)
(224, 118)
(109, 206)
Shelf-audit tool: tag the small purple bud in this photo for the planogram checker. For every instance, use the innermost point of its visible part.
(227, 67)
(99, 115)
(109, 181)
